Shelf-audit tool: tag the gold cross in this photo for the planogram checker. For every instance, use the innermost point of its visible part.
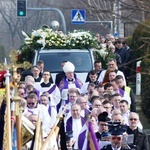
(13, 66)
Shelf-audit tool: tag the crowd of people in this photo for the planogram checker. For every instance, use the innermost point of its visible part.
(104, 99)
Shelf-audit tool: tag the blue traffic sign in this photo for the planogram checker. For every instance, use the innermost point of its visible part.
(78, 16)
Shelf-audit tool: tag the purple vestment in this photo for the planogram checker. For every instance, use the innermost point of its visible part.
(69, 123)
(66, 83)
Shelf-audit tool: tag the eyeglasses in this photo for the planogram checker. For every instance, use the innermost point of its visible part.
(118, 138)
(131, 119)
(30, 103)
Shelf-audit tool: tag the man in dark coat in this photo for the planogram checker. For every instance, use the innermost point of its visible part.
(140, 137)
(122, 52)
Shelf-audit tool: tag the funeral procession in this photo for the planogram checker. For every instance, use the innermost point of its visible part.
(74, 75)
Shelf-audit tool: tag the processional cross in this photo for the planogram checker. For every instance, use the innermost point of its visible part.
(13, 66)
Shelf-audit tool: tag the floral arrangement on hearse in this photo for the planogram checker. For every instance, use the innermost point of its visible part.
(48, 39)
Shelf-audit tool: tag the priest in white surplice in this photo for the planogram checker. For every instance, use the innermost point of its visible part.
(50, 88)
(50, 109)
(75, 122)
(33, 107)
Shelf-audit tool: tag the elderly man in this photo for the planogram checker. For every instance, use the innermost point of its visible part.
(140, 137)
(82, 101)
(75, 122)
(69, 81)
(29, 81)
(124, 108)
(44, 99)
(34, 108)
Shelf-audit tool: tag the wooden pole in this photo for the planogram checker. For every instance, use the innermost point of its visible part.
(13, 66)
(17, 100)
(38, 136)
(55, 128)
(18, 127)
(9, 133)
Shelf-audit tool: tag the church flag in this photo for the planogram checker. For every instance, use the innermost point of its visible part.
(92, 141)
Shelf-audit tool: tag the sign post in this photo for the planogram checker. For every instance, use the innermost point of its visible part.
(78, 16)
(138, 78)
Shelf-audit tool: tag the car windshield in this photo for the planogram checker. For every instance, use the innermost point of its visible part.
(52, 61)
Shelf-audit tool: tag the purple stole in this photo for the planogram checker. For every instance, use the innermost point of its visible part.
(86, 113)
(66, 83)
(67, 101)
(121, 92)
(49, 110)
(67, 111)
(38, 92)
(51, 89)
(81, 139)
(30, 111)
(69, 123)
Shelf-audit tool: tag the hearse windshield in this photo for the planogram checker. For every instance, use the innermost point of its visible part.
(52, 60)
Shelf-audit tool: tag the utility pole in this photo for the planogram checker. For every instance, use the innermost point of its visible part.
(118, 25)
(115, 17)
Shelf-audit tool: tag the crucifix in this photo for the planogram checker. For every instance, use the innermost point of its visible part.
(13, 66)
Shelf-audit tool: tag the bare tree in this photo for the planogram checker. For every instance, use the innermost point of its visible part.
(11, 27)
(119, 10)
(104, 10)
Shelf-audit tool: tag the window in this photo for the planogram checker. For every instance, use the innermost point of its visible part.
(82, 60)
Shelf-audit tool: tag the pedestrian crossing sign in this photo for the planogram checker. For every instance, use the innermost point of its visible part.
(78, 16)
